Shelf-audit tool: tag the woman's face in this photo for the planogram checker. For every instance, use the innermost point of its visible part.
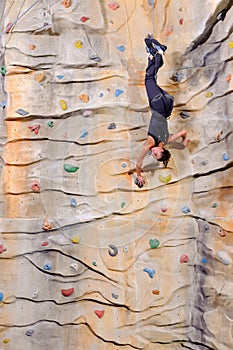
(157, 152)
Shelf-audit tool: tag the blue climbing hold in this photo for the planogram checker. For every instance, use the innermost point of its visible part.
(47, 267)
(121, 48)
(112, 126)
(73, 202)
(124, 165)
(1, 296)
(3, 104)
(118, 92)
(29, 332)
(84, 133)
(60, 76)
(226, 157)
(204, 261)
(101, 94)
(149, 271)
(186, 210)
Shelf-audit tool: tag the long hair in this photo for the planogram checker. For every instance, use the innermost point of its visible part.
(166, 155)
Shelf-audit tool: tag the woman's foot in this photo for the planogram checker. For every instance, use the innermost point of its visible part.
(154, 45)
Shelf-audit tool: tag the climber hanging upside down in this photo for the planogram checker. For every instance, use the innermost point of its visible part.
(161, 104)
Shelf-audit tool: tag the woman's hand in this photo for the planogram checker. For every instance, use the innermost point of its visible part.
(140, 181)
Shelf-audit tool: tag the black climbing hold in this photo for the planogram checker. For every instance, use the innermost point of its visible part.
(184, 115)
(178, 77)
(113, 251)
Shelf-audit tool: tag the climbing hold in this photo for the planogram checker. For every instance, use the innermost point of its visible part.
(113, 251)
(224, 257)
(204, 261)
(87, 114)
(111, 126)
(67, 292)
(50, 124)
(70, 168)
(22, 112)
(184, 115)
(228, 78)
(84, 133)
(165, 179)
(178, 76)
(121, 48)
(3, 70)
(46, 225)
(66, 3)
(208, 94)
(3, 104)
(163, 210)
(181, 21)
(29, 332)
(76, 239)
(32, 47)
(184, 259)
(115, 296)
(34, 128)
(118, 92)
(218, 136)
(63, 104)
(170, 29)
(225, 157)
(113, 5)
(101, 94)
(149, 271)
(155, 291)
(73, 202)
(84, 98)
(99, 313)
(123, 204)
(154, 243)
(204, 162)
(35, 186)
(221, 15)
(47, 267)
(6, 340)
(95, 57)
(1, 296)
(78, 44)
(74, 266)
(84, 19)
(214, 205)
(186, 210)
(151, 2)
(35, 294)
(124, 165)
(39, 77)
(9, 27)
(2, 248)
(221, 232)
(94, 263)
(60, 76)
(44, 244)
(230, 44)
(126, 249)
(206, 227)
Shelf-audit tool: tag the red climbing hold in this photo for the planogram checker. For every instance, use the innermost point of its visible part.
(84, 19)
(35, 129)
(113, 5)
(184, 259)
(8, 27)
(181, 21)
(35, 186)
(155, 292)
(2, 248)
(99, 313)
(67, 292)
(44, 244)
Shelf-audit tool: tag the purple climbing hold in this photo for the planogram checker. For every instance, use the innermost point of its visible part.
(22, 112)
(149, 271)
(87, 113)
(118, 92)
(115, 296)
(112, 126)
(29, 332)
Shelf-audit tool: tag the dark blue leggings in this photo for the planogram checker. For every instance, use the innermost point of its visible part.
(152, 89)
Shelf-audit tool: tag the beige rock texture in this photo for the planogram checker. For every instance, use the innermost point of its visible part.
(89, 260)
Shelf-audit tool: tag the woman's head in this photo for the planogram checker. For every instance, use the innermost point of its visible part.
(161, 154)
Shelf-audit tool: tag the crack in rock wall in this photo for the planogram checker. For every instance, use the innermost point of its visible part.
(89, 260)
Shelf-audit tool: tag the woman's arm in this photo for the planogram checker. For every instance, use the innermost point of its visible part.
(146, 148)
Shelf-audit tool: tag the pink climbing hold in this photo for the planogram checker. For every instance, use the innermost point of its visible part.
(221, 232)
(84, 19)
(67, 292)
(34, 128)
(35, 186)
(99, 313)
(113, 5)
(170, 29)
(184, 259)
(2, 248)
(163, 210)
(9, 27)
(228, 78)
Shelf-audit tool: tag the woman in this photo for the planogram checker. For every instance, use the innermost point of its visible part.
(161, 104)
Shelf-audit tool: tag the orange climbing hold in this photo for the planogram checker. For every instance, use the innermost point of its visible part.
(84, 98)
(46, 225)
(228, 78)
(32, 46)
(66, 3)
(113, 5)
(218, 136)
(39, 77)
(170, 29)
(155, 292)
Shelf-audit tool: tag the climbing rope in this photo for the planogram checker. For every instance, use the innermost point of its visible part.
(152, 4)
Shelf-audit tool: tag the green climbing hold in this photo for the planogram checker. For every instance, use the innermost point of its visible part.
(154, 243)
(3, 70)
(94, 263)
(70, 168)
(123, 204)
(50, 123)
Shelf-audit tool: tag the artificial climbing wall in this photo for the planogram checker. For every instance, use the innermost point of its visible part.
(89, 260)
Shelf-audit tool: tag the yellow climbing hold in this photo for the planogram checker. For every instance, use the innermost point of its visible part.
(165, 179)
(39, 77)
(63, 104)
(6, 341)
(84, 98)
(230, 44)
(209, 94)
(78, 44)
(76, 239)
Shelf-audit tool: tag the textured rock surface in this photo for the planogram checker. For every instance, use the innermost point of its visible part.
(88, 260)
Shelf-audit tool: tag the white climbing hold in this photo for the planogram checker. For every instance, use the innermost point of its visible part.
(74, 267)
(224, 257)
